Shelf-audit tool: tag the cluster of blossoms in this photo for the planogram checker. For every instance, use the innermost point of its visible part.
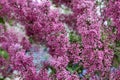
(112, 13)
(41, 43)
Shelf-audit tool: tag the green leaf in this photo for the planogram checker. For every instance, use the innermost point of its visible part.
(52, 70)
(69, 69)
(103, 36)
(31, 40)
(118, 43)
(1, 20)
(109, 22)
(11, 22)
(4, 54)
(116, 60)
(2, 79)
(114, 30)
(73, 37)
(98, 3)
(74, 68)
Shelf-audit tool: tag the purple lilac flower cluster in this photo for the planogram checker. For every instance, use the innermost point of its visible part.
(84, 53)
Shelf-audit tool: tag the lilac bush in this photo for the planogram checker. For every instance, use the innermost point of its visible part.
(60, 39)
